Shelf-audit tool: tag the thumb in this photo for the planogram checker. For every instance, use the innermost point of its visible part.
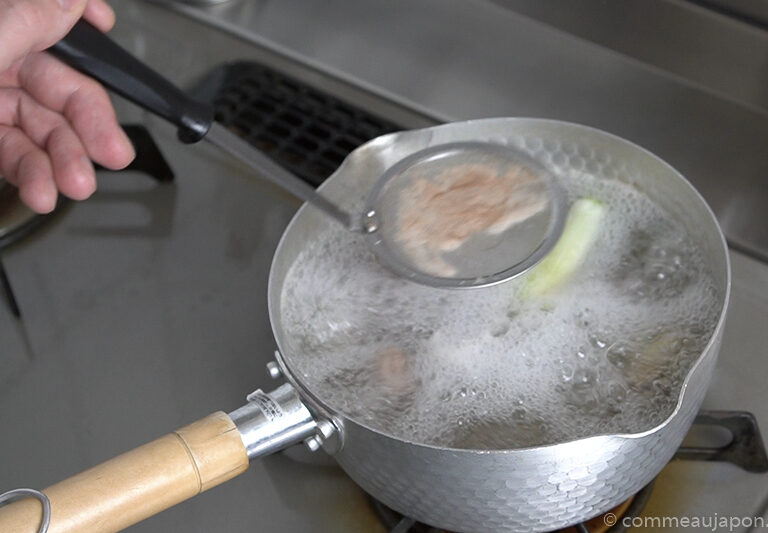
(28, 26)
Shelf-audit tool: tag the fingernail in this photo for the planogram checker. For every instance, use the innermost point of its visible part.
(87, 167)
(86, 182)
(129, 144)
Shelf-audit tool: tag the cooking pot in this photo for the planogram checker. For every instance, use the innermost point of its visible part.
(539, 488)
(523, 490)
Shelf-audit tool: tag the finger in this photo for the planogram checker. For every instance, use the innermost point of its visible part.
(72, 169)
(33, 25)
(25, 165)
(100, 14)
(83, 102)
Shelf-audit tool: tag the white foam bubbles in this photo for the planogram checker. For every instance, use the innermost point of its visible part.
(485, 369)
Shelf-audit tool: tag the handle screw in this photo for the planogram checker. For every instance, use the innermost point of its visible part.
(313, 443)
(274, 370)
(370, 222)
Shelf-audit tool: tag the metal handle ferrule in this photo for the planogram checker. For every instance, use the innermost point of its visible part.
(273, 421)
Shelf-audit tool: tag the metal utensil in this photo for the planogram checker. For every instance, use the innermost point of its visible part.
(516, 490)
(517, 218)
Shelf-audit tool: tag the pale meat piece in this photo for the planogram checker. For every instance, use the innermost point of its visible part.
(440, 214)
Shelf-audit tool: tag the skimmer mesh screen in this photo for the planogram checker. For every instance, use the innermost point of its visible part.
(307, 131)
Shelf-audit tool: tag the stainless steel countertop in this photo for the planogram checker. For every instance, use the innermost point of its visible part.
(699, 46)
(145, 307)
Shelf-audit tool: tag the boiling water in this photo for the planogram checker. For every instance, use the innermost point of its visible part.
(488, 368)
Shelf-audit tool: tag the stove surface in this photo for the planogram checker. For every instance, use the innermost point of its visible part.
(145, 308)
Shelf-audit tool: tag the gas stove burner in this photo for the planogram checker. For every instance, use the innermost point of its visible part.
(609, 522)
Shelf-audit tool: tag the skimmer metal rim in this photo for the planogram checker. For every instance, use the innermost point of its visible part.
(371, 222)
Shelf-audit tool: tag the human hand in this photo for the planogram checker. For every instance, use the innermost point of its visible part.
(53, 120)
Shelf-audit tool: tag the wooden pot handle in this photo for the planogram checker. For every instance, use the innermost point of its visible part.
(138, 484)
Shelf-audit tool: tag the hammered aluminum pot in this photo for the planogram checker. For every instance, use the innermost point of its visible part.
(516, 490)
(533, 489)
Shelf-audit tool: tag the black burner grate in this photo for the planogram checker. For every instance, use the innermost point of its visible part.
(305, 130)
